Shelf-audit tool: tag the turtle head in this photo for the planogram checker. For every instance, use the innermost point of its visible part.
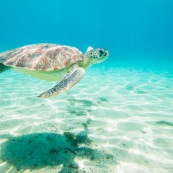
(96, 56)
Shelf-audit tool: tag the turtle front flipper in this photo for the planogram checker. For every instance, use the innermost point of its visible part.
(69, 80)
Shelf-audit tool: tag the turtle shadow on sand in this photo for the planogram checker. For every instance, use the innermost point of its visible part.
(39, 150)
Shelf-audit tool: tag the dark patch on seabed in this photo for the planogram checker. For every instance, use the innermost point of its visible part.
(81, 107)
(164, 123)
(132, 88)
(40, 150)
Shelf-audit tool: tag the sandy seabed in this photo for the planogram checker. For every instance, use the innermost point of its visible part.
(115, 120)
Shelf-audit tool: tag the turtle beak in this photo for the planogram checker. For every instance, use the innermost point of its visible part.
(106, 52)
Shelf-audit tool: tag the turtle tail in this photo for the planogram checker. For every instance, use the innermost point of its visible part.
(3, 68)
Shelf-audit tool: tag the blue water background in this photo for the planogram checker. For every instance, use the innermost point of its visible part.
(134, 31)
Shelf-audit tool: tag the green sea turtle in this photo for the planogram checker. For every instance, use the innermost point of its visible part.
(52, 62)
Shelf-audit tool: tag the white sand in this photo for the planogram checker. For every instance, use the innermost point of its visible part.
(126, 113)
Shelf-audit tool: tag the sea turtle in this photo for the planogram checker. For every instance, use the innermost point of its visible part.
(52, 62)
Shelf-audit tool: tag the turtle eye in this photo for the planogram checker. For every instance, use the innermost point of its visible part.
(101, 52)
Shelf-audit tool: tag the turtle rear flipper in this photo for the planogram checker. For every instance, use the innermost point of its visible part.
(3, 68)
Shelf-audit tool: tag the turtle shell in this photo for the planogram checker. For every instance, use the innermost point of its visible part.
(45, 57)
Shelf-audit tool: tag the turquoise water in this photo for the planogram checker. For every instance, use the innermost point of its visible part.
(119, 117)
